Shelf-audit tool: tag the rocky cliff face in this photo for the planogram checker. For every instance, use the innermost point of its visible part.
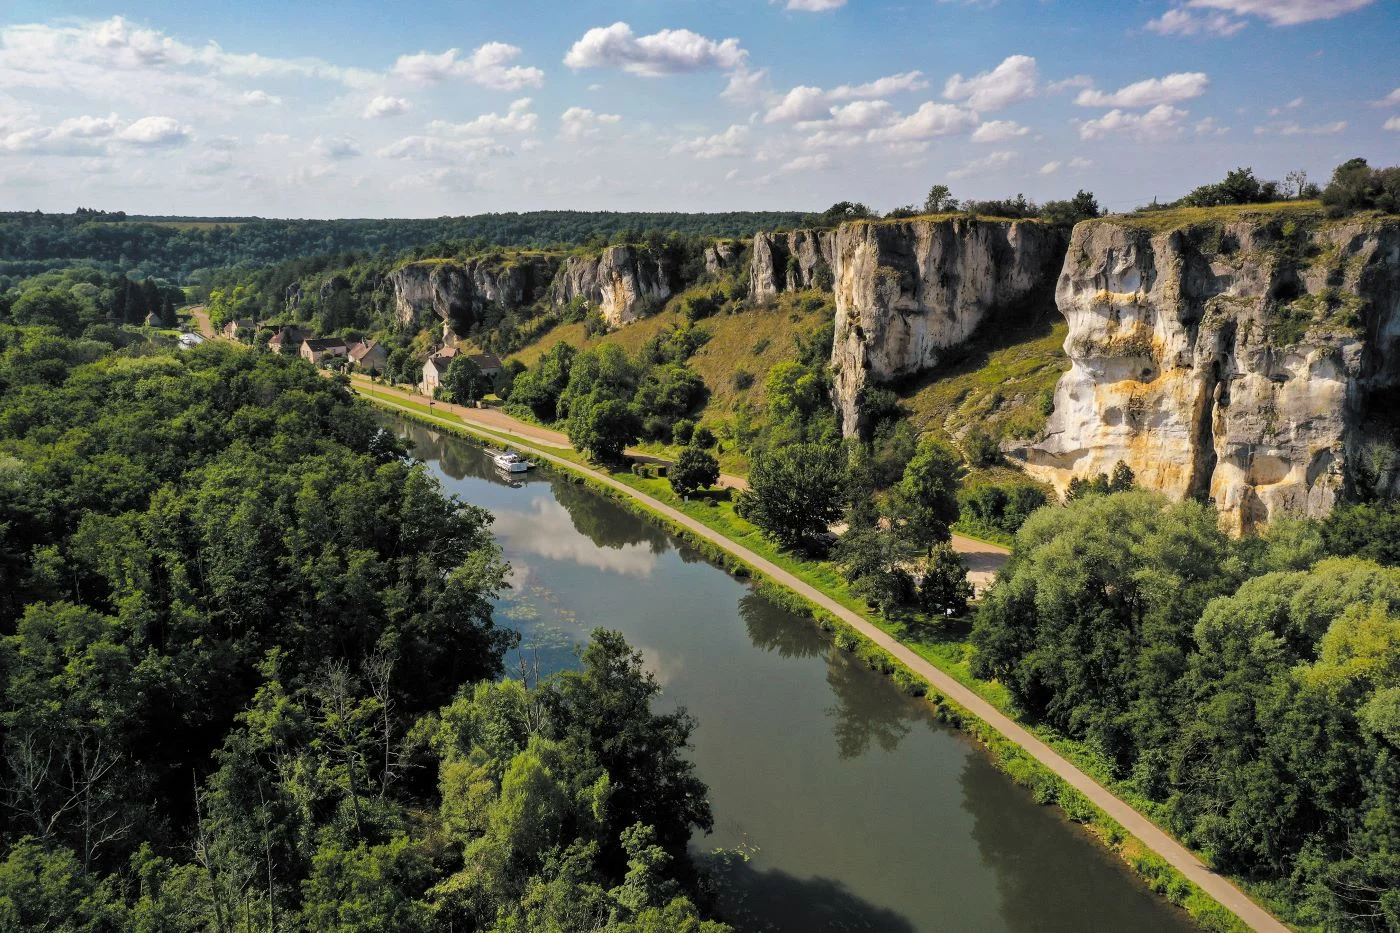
(458, 293)
(620, 281)
(1254, 362)
(785, 262)
(721, 257)
(906, 291)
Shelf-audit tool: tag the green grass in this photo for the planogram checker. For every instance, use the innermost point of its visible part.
(1177, 218)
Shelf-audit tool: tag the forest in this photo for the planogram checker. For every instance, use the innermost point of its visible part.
(251, 676)
(174, 249)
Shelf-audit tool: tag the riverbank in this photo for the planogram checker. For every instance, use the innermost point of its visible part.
(1060, 775)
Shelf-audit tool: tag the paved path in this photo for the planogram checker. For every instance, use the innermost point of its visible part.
(1147, 832)
(498, 421)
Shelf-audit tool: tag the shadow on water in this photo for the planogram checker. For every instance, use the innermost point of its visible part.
(773, 901)
(1023, 843)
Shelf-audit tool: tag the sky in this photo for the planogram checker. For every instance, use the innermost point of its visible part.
(428, 108)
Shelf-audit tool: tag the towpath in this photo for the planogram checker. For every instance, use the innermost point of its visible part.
(1144, 830)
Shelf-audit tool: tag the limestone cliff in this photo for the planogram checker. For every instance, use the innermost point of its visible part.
(459, 292)
(621, 281)
(907, 290)
(1252, 361)
(721, 258)
(785, 262)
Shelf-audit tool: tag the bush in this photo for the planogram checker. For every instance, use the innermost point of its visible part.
(1355, 186)
(703, 438)
(682, 431)
(742, 379)
(694, 470)
(982, 450)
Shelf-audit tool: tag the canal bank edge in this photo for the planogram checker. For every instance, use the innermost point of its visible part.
(1168, 868)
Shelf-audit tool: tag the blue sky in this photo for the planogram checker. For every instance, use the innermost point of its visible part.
(417, 109)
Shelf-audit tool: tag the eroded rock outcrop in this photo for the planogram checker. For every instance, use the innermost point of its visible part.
(1256, 363)
(621, 281)
(908, 290)
(458, 292)
(721, 257)
(786, 262)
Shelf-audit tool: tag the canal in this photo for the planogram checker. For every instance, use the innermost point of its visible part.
(857, 809)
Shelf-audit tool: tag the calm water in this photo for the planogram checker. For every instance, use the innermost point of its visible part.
(859, 811)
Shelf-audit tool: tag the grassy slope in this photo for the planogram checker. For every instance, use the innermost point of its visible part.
(733, 339)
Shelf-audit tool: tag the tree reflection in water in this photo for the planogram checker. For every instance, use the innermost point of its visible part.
(865, 711)
(774, 901)
(605, 523)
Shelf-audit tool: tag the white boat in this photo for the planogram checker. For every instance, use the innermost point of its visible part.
(508, 461)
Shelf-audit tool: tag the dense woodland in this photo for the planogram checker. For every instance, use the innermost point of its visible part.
(176, 249)
(251, 675)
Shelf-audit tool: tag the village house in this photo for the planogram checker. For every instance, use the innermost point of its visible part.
(489, 364)
(316, 349)
(286, 337)
(435, 369)
(369, 356)
(239, 328)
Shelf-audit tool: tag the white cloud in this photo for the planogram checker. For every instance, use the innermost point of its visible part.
(807, 163)
(834, 139)
(518, 119)
(666, 52)
(489, 65)
(1285, 12)
(929, 121)
(1080, 163)
(437, 149)
(726, 145)
(859, 115)
(745, 87)
(1181, 22)
(1148, 93)
(222, 143)
(581, 123)
(261, 99)
(881, 87)
(1392, 124)
(1066, 84)
(1161, 122)
(1210, 127)
(438, 179)
(385, 106)
(1293, 104)
(336, 147)
(1050, 168)
(996, 131)
(1015, 79)
(1390, 100)
(987, 164)
(800, 103)
(155, 132)
(1293, 128)
(814, 6)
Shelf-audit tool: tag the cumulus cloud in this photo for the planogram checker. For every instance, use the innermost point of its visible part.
(1148, 93)
(805, 103)
(1293, 128)
(155, 132)
(929, 121)
(517, 119)
(996, 131)
(1392, 124)
(439, 149)
(336, 147)
(814, 6)
(746, 87)
(88, 135)
(1179, 21)
(1050, 168)
(985, 165)
(1066, 84)
(489, 65)
(1390, 100)
(1285, 12)
(581, 123)
(807, 163)
(385, 106)
(261, 99)
(1210, 127)
(1161, 122)
(669, 51)
(1015, 79)
(729, 144)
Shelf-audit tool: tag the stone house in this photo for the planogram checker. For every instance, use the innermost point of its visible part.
(369, 356)
(435, 369)
(316, 349)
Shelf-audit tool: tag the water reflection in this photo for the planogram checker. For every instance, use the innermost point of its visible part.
(862, 715)
(753, 898)
(606, 523)
(545, 528)
(774, 629)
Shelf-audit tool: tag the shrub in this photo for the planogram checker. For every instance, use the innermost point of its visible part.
(682, 431)
(742, 379)
(703, 438)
